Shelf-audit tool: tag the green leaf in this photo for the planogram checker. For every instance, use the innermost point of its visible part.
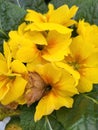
(10, 16)
(1, 47)
(46, 123)
(83, 115)
(88, 9)
(38, 5)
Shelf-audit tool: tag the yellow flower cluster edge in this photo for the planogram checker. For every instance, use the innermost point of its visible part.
(43, 62)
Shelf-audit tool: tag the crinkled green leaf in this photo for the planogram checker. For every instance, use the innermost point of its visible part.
(10, 16)
(83, 115)
(38, 5)
(88, 9)
(46, 123)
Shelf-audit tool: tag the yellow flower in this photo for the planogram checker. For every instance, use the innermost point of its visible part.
(23, 42)
(55, 19)
(84, 60)
(12, 83)
(28, 46)
(60, 87)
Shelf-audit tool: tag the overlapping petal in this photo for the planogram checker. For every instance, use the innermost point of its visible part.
(17, 87)
(62, 16)
(12, 82)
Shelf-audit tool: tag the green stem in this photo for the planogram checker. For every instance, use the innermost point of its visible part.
(18, 3)
(2, 32)
(48, 123)
(92, 99)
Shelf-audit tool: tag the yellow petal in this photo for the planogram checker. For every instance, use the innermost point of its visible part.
(66, 86)
(36, 37)
(3, 67)
(65, 15)
(18, 67)
(48, 26)
(48, 72)
(58, 46)
(92, 74)
(92, 60)
(34, 16)
(68, 68)
(21, 28)
(2, 57)
(79, 47)
(7, 54)
(50, 11)
(26, 54)
(4, 88)
(84, 85)
(73, 11)
(50, 103)
(21, 100)
(16, 90)
(59, 15)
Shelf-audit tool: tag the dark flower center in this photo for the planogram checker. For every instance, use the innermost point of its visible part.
(48, 88)
(40, 47)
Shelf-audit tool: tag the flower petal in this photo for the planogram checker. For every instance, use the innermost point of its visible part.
(7, 53)
(49, 103)
(4, 88)
(34, 16)
(16, 90)
(3, 67)
(92, 74)
(26, 54)
(48, 72)
(68, 68)
(79, 47)
(58, 46)
(65, 15)
(48, 26)
(85, 85)
(92, 60)
(18, 67)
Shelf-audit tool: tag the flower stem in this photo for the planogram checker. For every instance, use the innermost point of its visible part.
(18, 3)
(48, 123)
(95, 101)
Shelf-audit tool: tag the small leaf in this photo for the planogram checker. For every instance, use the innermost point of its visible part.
(38, 5)
(46, 123)
(10, 16)
(83, 115)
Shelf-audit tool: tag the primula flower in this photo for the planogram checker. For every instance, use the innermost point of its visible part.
(55, 19)
(59, 89)
(28, 46)
(12, 82)
(22, 43)
(83, 59)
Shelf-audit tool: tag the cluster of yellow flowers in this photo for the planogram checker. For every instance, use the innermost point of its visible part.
(43, 62)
